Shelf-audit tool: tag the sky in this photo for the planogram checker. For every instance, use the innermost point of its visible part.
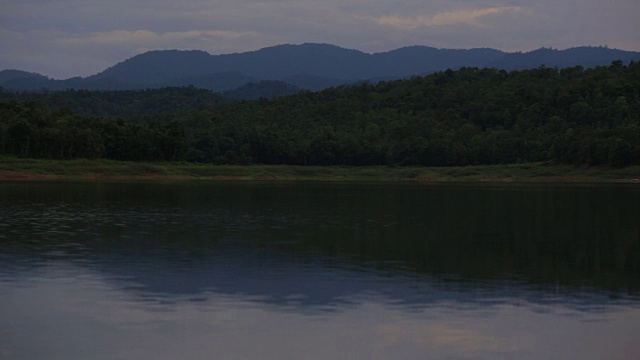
(67, 38)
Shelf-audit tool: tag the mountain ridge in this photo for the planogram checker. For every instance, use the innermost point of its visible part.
(309, 66)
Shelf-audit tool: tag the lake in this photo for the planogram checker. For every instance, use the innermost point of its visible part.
(297, 270)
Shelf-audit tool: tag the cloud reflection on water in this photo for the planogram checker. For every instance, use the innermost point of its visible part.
(68, 312)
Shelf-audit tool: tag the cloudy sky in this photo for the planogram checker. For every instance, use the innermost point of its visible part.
(65, 38)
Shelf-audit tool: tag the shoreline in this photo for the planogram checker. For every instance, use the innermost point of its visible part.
(16, 169)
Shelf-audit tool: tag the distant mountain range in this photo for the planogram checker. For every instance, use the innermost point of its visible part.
(285, 69)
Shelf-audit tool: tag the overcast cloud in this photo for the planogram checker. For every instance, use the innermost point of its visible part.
(65, 38)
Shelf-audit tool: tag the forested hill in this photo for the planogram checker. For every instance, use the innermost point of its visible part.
(147, 102)
(465, 117)
(124, 103)
(308, 66)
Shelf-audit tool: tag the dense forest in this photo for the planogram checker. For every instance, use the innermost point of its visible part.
(465, 117)
(122, 103)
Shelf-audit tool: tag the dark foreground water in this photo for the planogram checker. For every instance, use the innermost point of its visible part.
(318, 271)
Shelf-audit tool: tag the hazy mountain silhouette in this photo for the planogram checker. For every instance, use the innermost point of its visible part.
(306, 66)
(311, 82)
(584, 56)
(262, 89)
(21, 80)
(223, 81)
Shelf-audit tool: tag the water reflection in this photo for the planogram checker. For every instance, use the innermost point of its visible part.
(190, 270)
(76, 313)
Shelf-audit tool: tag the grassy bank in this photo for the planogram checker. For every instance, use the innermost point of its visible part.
(32, 169)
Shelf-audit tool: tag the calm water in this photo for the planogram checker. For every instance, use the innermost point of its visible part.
(318, 271)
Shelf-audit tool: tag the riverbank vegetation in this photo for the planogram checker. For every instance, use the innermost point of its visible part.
(470, 117)
(12, 168)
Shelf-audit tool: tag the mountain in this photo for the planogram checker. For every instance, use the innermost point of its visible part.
(21, 80)
(263, 89)
(219, 82)
(312, 82)
(587, 57)
(306, 66)
(158, 67)
(6, 75)
(291, 61)
(422, 60)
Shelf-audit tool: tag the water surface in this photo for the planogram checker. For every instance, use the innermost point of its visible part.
(198, 270)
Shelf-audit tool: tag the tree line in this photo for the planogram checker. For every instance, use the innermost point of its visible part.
(123, 103)
(466, 117)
